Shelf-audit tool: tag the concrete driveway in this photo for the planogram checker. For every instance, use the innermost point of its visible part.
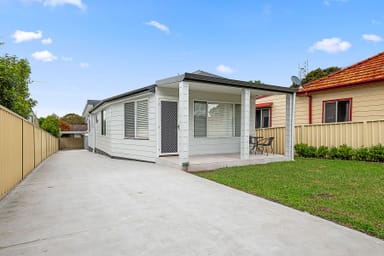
(79, 203)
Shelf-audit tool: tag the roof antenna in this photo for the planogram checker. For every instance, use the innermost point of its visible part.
(297, 81)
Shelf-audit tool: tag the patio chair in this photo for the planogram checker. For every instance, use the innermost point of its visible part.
(267, 142)
(254, 144)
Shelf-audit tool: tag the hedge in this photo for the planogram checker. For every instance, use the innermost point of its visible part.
(374, 153)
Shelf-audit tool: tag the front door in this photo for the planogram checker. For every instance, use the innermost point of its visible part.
(168, 127)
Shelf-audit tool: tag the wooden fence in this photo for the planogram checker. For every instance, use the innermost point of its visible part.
(354, 134)
(22, 147)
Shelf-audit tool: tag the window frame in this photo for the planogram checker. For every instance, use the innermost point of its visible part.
(103, 123)
(235, 133)
(135, 120)
(336, 110)
(261, 117)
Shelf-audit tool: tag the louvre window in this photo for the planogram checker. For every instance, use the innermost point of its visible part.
(136, 119)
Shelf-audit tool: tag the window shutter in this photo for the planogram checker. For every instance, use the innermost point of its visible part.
(142, 119)
(129, 120)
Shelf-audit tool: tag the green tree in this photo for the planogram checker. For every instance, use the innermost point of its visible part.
(255, 81)
(318, 73)
(73, 118)
(14, 81)
(50, 124)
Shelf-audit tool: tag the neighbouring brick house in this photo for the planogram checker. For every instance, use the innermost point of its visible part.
(355, 93)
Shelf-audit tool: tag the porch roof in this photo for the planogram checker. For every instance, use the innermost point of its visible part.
(199, 77)
(213, 79)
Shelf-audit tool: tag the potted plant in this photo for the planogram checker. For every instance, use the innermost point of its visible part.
(185, 166)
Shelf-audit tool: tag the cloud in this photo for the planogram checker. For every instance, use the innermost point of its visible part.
(78, 3)
(47, 41)
(372, 38)
(66, 58)
(84, 65)
(331, 45)
(44, 56)
(224, 69)
(159, 26)
(23, 36)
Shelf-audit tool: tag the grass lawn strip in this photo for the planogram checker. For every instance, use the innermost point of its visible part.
(347, 192)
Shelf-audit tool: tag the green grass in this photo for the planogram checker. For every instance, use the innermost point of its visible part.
(347, 192)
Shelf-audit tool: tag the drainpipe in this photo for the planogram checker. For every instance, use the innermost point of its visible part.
(309, 107)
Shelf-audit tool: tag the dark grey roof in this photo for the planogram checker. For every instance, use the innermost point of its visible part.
(93, 102)
(150, 88)
(202, 72)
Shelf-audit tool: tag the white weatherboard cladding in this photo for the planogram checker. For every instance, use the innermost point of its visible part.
(114, 142)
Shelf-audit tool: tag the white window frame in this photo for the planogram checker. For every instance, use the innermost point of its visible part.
(233, 118)
(135, 119)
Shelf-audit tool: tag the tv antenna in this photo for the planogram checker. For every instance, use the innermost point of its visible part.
(295, 80)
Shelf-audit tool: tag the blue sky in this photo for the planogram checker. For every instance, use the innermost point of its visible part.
(88, 49)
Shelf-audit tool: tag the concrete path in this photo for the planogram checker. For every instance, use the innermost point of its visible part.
(79, 203)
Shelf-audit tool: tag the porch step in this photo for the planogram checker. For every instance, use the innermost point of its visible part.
(213, 162)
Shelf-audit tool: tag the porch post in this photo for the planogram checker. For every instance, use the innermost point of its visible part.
(183, 123)
(245, 112)
(290, 126)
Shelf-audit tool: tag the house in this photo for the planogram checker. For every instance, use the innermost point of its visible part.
(186, 115)
(355, 93)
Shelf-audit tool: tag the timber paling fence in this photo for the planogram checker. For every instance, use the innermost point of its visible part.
(22, 147)
(353, 134)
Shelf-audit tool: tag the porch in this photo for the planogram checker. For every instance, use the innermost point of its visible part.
(215, 161)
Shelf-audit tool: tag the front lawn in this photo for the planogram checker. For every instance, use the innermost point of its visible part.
(347, 192)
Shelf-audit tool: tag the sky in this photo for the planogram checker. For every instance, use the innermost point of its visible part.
(93, 49)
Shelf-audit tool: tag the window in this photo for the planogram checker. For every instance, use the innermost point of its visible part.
(136, 119)
(263, 118)
(216, 119)
(337, 111)
(103, 123)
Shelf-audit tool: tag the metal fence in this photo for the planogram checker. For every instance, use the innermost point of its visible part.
(354, 134)
(22, 147)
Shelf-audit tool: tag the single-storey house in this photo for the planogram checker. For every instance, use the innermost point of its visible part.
(189, 114)
(355, 93)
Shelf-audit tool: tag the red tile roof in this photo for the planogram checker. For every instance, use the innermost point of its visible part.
(366, 71)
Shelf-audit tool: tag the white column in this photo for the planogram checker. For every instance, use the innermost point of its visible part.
(245, 113)
(183, 120)
(290, 126)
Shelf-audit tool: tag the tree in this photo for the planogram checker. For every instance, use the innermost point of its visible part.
(319, 73)
(64, 125)
(14, 81)
(255, 81)
(73, 118)
(50, 124)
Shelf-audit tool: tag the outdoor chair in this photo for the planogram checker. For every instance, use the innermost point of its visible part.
(254, 144)
(267, 142)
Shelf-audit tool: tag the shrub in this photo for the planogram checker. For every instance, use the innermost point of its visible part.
(345, 152)
(376, 153)
(333, 153)
(322, 152)
(362, 154)
(311, 151)
(300, 149)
